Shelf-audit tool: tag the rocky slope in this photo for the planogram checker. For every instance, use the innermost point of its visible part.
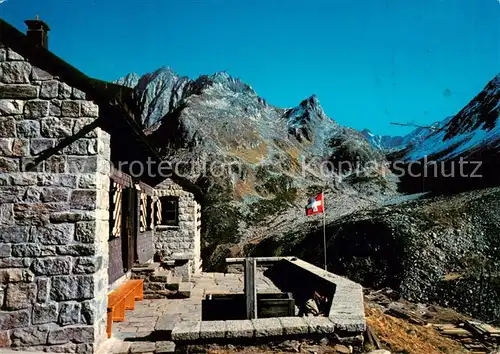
(266, 161)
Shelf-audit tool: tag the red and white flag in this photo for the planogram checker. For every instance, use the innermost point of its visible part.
(316, 205)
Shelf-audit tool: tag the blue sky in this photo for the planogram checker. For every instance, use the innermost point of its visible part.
(369, 62)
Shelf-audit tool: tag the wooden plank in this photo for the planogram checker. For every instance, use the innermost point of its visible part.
(400, 313)
(456, 332)
(483, 328)
(250, 288)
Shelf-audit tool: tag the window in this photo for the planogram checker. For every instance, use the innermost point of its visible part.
(169, 210)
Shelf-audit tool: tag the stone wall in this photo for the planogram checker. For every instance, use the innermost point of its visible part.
(53, 219)
(180, 242)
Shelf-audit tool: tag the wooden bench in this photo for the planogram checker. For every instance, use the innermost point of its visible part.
(123, 299)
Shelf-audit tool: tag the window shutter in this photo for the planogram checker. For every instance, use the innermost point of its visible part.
(117, 192)
(158, 212)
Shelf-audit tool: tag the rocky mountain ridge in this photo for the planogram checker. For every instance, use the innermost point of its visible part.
(272, 159)
(475, 127)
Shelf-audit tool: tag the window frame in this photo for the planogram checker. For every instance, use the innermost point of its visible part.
(165, 200)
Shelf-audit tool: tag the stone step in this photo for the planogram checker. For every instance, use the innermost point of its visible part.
(185, 289)
(173, 282)
(160, 276)
(165, 347)
(146, 268)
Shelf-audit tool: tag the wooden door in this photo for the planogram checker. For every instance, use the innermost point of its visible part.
(130, 229)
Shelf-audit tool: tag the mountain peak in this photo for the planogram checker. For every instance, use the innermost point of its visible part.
(312, 105)
(130, 80)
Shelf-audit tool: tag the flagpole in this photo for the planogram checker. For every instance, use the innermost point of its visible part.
(324, 227)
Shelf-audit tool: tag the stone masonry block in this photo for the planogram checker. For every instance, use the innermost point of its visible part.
(36, 109)
(29, 336)
(13, 56)
(28, 129)
(83, 200)
(77, 334)
(267, 327)
(14, 319)
(349, 323)
(18, 91)
(11, 107)
(186, 331)
(55, 234)
(65, 288)
(14, 275)
(239, 329)
(52, 266)
(294, 325)
(77, 94)
(38, 74)
(85, 232)
(45, 313)
(319, 325)
(71, 109)
(54, 194)
(40, 145)
(89, 109)
(14, 234)
(64, 91)
(49, 89)
(20, 296)
(7, 128)
(56, 127)
(43, 289)
(15, 72)
(212, 329)
(69, 313)
(82, 164)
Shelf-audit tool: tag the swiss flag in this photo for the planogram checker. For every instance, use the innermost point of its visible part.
(316, 205)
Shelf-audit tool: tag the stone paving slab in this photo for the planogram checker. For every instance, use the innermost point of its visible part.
(166, 322)
(239, 329)
(212, 329)
(267, 327)
(120, 347)
(319, 325)
(142, 347)
(186, 331)
(294, 325)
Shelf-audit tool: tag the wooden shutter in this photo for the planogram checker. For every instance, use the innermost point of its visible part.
(158, 212)
(117, 191)
(143, 213)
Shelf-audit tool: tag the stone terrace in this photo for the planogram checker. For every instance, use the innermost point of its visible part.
(153, 325)
(147, 328)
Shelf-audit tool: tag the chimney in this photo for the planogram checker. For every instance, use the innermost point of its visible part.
(38, 32)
